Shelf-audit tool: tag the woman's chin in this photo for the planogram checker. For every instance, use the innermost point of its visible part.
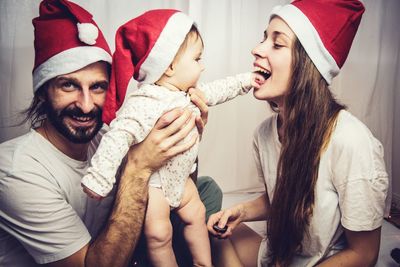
(259, 95)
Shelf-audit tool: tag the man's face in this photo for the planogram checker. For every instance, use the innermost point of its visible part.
(75, 101)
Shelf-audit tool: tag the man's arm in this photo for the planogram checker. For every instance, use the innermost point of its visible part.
(115, 244)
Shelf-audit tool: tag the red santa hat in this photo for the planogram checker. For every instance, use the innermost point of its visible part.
(66, 40)
(325, 28)
(144, 48)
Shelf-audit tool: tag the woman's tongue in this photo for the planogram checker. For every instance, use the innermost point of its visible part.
(260, 79)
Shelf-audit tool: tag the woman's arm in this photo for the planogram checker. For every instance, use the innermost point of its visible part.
(362, 250)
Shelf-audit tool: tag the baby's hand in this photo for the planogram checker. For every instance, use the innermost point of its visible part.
(253, 81)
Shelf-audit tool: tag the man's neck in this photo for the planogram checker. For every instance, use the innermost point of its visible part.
(71, 149)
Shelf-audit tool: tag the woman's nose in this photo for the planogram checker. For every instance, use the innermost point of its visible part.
(259, 50)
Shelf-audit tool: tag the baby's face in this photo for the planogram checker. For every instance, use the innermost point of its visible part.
(188, 66)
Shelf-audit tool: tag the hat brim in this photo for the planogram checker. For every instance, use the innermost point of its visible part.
(310, 40)
(68, 61)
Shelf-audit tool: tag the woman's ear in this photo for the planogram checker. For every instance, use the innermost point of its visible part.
(170, 70)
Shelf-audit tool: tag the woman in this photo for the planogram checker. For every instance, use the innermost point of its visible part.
(324, 173)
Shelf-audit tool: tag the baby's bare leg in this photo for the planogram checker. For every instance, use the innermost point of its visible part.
(192, 212)
(158, 230)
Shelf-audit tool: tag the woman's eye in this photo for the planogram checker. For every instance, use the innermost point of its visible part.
(277, 46)
(264, 38)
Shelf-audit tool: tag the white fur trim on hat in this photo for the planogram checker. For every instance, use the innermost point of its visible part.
(68, 61)
(310, 40)
(165, 48)
(88, 33)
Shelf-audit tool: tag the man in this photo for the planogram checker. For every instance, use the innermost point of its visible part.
(45, 218)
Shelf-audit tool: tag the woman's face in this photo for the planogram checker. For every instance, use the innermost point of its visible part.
(273, 62)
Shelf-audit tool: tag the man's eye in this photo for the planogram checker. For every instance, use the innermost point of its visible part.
(99, 87)
(68, 86)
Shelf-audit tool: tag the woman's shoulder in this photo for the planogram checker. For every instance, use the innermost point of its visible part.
(352, 138)
(349, 130)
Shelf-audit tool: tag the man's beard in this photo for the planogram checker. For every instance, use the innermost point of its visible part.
(79, 135)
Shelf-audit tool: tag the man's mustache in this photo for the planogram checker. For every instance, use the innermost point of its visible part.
(75, 111)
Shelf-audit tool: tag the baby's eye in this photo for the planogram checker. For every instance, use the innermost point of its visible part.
(198, 59)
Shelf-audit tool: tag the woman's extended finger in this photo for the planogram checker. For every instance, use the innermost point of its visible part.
(223, 220)
(214, 218)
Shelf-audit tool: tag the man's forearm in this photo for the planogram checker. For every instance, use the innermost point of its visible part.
(115, 245)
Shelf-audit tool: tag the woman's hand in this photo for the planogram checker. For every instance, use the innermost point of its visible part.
(198, 98)
(162, 142)
(230, 217)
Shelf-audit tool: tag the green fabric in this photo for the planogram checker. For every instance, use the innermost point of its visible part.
(211, 195)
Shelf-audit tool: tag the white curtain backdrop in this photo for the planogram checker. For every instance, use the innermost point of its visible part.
(368, 84)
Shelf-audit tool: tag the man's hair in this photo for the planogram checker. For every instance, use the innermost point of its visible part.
(36, 112)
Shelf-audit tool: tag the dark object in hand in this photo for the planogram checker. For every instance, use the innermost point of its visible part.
(395, 253)
(220, 230)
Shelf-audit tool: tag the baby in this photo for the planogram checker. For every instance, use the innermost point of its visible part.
(161, 49)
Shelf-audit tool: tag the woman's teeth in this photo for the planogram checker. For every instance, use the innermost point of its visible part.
(263, 72)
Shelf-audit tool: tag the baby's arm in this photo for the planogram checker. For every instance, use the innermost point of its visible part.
(134, 121)
(222, 90)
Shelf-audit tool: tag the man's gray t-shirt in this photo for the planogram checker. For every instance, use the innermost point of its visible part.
(44, 213)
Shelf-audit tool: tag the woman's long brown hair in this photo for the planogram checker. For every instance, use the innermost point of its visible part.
(309, 117)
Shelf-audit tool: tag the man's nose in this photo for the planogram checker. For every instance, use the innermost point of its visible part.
(85, 101)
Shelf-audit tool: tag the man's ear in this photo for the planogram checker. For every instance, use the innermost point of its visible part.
(170, 70)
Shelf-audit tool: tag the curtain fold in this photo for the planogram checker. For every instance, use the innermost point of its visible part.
(368, 84)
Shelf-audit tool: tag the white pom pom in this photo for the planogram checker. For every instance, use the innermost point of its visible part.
(88, 33)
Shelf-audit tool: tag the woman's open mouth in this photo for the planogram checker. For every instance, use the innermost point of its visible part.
(261, 74)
